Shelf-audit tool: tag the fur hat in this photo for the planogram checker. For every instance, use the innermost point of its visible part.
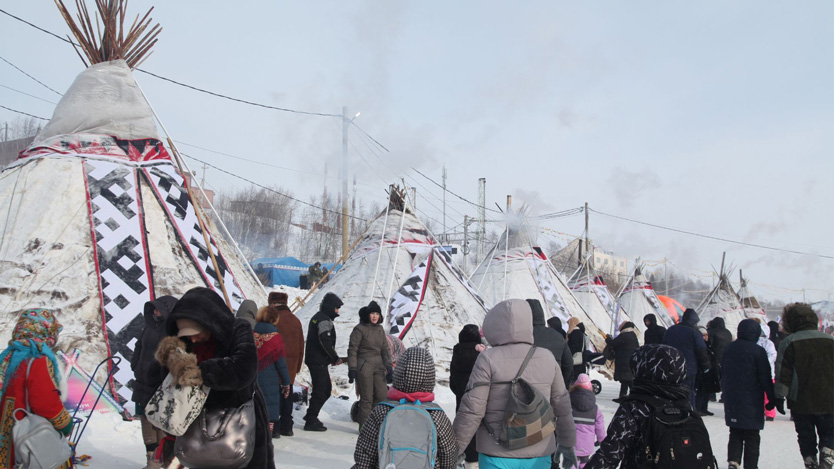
(278, 297)
(584, 381)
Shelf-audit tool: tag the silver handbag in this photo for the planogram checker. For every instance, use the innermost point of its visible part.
(219, 439)
(37, 445)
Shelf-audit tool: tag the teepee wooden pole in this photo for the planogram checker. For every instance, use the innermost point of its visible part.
(197, 211)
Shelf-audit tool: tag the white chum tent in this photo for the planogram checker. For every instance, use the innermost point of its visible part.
(399, 264)
(97, 220)
(638, 299)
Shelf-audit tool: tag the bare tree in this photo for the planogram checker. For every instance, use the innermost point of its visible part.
(259, 219)
(20, 128)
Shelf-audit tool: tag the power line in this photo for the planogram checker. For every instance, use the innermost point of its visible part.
(27, 94)
(373, 139)
(30, 76)
(712, 237)
(24, 113)
(267, 188)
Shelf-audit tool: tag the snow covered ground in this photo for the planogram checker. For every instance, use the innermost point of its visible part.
(115, 443)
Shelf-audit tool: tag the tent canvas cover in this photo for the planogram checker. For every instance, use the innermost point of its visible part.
(514, 268)
(400, 265)
(97, 220)
(638, 299)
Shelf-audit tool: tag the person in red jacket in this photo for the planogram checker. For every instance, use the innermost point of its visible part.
(34, 335)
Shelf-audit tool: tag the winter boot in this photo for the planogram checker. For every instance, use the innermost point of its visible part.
(811, 462)
(151, 462)
(314, 425)
(826, 458)
(733, 465)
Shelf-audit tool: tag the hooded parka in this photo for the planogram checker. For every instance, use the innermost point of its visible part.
(805, 363)
(369, 356)
(148, 374)
(654, 332)
(547, 337)
(509, 330)
(690, 342)
(228, 362)
(746, 379)
(719, 339)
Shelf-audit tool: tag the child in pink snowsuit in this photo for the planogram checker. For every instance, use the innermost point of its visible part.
(590, 424)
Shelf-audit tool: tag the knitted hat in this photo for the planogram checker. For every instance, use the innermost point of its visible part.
(277, 297)
(373, 307)
(584, 381)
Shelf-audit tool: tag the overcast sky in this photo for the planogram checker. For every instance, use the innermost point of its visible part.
(710, 117)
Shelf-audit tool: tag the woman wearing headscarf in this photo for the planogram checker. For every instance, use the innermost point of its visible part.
(273, 375)
(33, 338)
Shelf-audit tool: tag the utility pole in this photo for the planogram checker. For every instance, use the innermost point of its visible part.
(345, 123)
(481, 217)
(465, 246)
(587, 236)
(445, 236)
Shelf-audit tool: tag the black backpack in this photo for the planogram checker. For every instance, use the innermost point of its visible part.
(674, 436)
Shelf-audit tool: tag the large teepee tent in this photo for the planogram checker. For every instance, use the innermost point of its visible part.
(752, 308)
(597, 300)
(514, 268)
(98, 218)
(722, 301)
(638, 299)
(398, 263)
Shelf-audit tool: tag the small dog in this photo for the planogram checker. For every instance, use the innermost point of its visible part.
(182, 365)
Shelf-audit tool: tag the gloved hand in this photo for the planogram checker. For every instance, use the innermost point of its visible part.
(285, 390)
(567, 455)
(182, 365)
(351, 376)
(779, 404)
(389, 374)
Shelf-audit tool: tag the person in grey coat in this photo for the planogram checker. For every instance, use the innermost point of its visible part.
(369, 359)
(509, 330)
(547, 337)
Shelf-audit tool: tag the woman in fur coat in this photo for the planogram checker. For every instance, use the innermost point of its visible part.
(222, 355)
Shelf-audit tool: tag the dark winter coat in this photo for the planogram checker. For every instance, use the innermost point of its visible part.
(464, 355)
(247, 311)
(414, 378)
(654, 332)
(622, 347)
(805, 363)
(576, 343)
(556, 324)
(776, 335)
(548, 338)
(746, 379)
(719, 339)
(273, 375)
(232, 372)
(658, 370)
(293, 336)
(321, 333)
(148, 374)
(690, 342)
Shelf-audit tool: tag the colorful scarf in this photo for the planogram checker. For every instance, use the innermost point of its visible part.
(270, 349)
(34, 335)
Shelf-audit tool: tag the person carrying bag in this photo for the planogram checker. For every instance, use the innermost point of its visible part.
(232, 428)
(34, 422)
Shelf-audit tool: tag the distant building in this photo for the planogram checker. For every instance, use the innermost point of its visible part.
(198, 195)
(567, 260)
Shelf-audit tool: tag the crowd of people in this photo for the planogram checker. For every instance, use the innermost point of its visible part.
(255, 354)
